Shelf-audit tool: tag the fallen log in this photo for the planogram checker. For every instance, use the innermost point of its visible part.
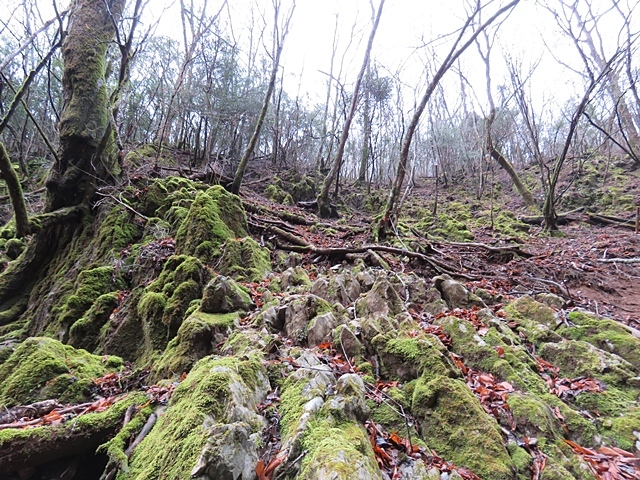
(27, 448)
(563, 218)
(600, 219)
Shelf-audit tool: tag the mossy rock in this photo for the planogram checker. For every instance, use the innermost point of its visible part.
(85, 332)
(42, 368)
(607, 335)
(576, 358)
(214, 217)
(197, 337)
(278, 195)
(454, 424)
(622, 431)
(244, 259)
(87, 288)
(165, 302)
(217, 391)
(533, 417)
(337, 450)
(405, 357)
(513, 364)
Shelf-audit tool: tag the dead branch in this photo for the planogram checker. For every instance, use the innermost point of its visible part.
(515, 249)
(341, 252)
(599, 219)
(619, 260)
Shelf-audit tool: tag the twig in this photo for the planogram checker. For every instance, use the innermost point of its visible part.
(619, 260)
(131, 209)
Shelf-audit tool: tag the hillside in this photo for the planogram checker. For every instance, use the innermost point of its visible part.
(192, 333)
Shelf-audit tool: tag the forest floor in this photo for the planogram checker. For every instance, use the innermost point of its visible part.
(595, 267)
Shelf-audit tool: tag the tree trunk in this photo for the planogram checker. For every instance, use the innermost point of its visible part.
(15, 192)
(324, 205)
(366, 140)
(88, 154)
(278, 44)
(454, 53)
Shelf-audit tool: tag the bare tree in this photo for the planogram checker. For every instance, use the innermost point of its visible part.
(492, 150)
(324, 205)
(279, 36)
(457, 49)
(549, 212)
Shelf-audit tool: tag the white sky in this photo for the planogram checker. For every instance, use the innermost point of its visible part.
(405, 25)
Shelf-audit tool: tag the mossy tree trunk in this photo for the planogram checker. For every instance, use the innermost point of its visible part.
(9, 175)
(87, 158)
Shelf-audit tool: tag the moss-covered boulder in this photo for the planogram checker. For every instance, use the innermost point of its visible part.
(85, 332)
(223, 295)
(244, 259)
(454, 424)
(41, 368)
(576, 358)
(607, 335)
(214, 217)
(405, 357)
(210, 427)
(88, 287)
(198, 336)
(328, 428)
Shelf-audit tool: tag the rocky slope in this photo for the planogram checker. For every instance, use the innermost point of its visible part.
(167, 343)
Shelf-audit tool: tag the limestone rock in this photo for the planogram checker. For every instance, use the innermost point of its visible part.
(381, 301)
(320, 328)
(455, 294)
(224, 295)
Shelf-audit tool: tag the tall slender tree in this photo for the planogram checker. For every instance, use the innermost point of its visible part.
(324, 204)
(279, 36)
(456, 50)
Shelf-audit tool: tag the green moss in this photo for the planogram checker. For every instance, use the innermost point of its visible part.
(521, 460)
(451, 229)
(43, 368)
(115, 448)
(244, 259)
(454, 424)
(605, 334)
(514, 365)
(620, 431)
(610, 403)
(506, 224)
(338, 450)
(116, 231)
(150, 310)
(196, 339)
(165, 302)
(278, 195)
(88, 287)
(407, 357)
(203, 398)
(214, 217)
(576, 358)
(85, 332)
